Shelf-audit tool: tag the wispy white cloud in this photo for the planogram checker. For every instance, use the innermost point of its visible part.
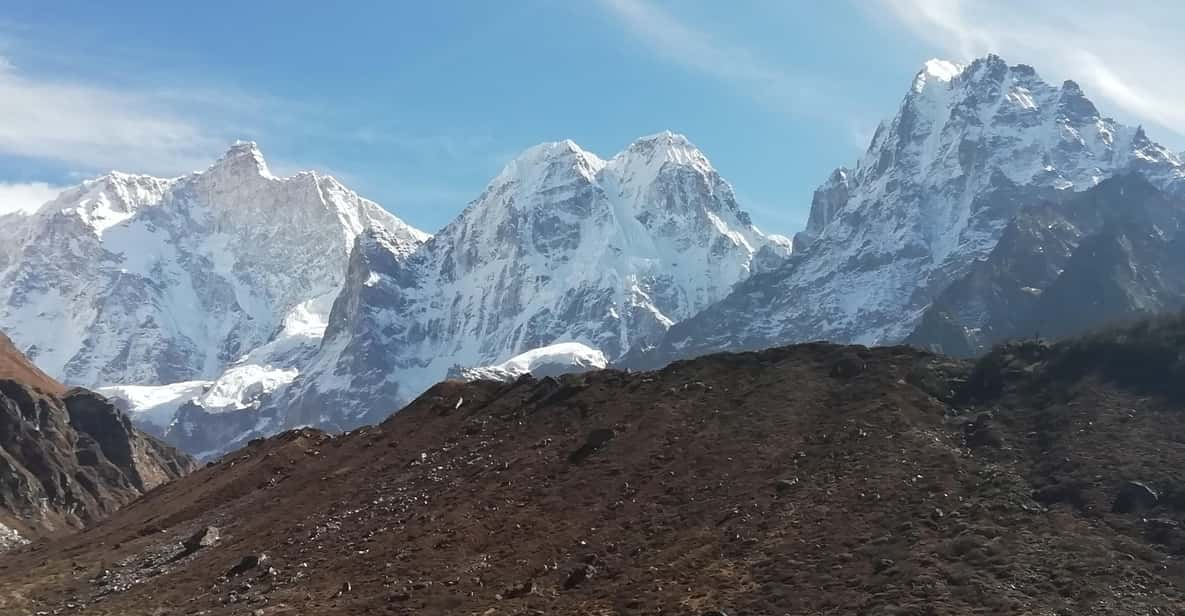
(769, 83)
(25, 197)
(1125, 55)
(97, 127)
(162, 130)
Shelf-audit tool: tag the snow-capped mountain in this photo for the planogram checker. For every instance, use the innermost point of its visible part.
(562, 246)
(230, 303)
(969, 147)
(140, 281)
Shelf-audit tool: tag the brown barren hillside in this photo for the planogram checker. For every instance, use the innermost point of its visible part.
(15, 366)
(813, 479)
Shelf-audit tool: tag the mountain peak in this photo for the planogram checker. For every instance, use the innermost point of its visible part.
(543, 163)
(671, 146)
(243, 156)
(553, 150)
(663, 138)
(935, 70)
(942, 69)
(647, 155)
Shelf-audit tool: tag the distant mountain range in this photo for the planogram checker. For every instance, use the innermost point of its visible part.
(231, 303)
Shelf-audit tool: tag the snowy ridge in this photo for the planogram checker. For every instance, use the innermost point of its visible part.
(551, 360)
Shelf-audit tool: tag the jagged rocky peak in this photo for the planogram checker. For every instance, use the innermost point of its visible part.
(969, 148)
(1074, 105)
(980, 126)
(825, 203)
(243, 156)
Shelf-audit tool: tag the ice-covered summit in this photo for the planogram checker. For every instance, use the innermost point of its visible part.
(645, 157)
(554, 161)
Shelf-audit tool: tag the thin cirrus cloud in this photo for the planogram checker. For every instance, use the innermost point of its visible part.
(158, 129)
(768, 83)
(1123, 54)
(94, 127)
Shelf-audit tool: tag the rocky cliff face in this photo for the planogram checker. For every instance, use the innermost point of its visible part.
(970, 148)
(69, 458)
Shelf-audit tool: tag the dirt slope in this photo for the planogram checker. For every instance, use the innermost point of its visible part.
(15, 366)
(812, 479)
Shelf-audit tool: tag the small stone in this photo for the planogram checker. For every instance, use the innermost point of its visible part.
(203, 538)
(848, 367)
(786, 485)
(521, 590)
(579, 575)
(596, 440)
(249, 562)
(1134, 496)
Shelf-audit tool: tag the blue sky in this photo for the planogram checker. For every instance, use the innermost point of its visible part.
(418, 104)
